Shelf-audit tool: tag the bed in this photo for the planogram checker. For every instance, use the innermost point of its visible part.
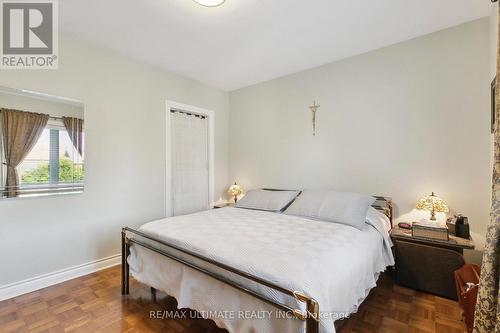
(258, 271)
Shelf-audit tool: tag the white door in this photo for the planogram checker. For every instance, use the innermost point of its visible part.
(190, 163)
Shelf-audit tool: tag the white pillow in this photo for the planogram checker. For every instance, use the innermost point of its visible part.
(340, 207)
(273, 201)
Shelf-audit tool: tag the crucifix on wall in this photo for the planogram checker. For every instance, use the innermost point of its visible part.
(313, 109)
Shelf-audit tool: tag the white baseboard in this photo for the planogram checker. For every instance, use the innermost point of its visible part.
(49, 279)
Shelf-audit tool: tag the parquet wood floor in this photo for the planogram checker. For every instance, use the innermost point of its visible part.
(93, 303)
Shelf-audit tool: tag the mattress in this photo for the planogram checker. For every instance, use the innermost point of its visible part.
(333, 263)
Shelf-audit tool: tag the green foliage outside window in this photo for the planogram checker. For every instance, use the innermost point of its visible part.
(68, 172)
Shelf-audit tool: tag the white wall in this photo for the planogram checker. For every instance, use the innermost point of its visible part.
(125, 159)
(401, 121)
(493, 59)
(493, 39)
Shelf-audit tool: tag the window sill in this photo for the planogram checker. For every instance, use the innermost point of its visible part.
(35, 191)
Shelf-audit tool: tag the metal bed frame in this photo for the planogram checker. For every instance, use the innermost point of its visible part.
(311, 314)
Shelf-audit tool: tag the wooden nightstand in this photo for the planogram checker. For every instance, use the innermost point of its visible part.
(454, 243)
(428, 265)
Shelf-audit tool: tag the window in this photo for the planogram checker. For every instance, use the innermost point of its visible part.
(35, 167)
(54, 165)
(2, 164)
(42, 152)
(53, 160)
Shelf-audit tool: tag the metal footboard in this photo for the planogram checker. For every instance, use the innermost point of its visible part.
(310, 316)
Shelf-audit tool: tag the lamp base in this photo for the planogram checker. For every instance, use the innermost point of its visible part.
(433, 215)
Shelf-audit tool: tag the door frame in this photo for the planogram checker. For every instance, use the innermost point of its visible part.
(168, 151)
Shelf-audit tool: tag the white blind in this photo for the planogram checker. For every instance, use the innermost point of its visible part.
(189, 163)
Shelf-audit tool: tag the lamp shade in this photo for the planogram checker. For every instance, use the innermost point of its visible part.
(433, 204)
(235, 190)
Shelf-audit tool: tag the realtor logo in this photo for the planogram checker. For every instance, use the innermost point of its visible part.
(29, 34)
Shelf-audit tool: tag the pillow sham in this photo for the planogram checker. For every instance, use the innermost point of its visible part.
(272, 201)
(340, 207)
(375, 217)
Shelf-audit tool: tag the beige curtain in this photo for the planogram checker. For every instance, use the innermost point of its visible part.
(74, 126)
(21, 131)
(487, 314)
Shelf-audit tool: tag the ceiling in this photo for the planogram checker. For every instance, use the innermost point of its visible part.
(244, 42)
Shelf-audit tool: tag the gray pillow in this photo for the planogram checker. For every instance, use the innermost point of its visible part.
(340, 207)
(272, 201)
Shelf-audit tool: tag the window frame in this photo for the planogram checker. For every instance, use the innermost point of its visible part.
(45, 189)
(2, 159)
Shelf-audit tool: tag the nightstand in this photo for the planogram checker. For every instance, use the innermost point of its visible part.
(428, 265)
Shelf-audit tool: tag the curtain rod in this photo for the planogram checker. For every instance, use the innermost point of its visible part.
(50, 116)
(188, 113)
(60, 117)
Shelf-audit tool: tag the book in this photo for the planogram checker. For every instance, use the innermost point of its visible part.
(430, 231)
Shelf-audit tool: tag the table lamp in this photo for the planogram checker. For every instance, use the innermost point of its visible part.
(235, 190)
(433, 204)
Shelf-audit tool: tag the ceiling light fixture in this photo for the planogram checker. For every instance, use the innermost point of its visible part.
(210, 3)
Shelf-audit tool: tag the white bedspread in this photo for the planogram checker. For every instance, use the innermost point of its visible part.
(335, 264)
